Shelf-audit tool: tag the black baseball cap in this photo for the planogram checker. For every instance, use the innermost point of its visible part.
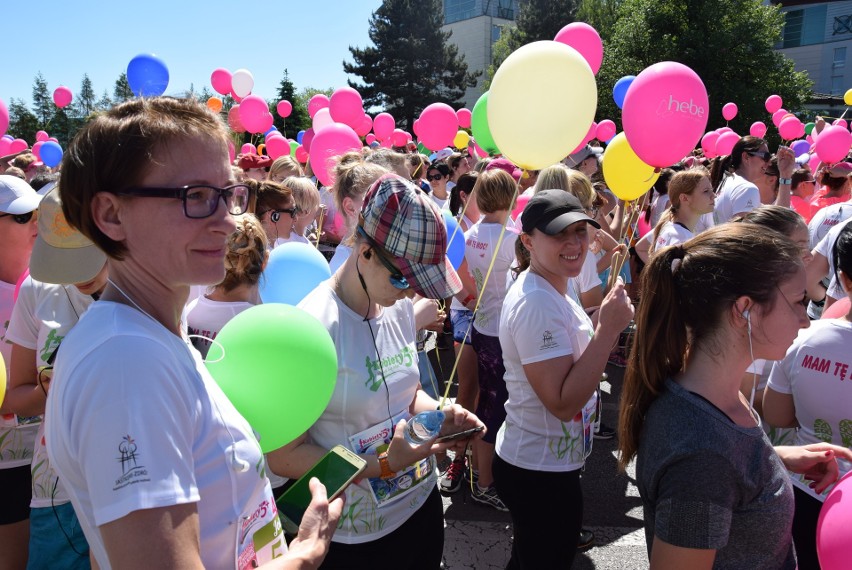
(551, 211)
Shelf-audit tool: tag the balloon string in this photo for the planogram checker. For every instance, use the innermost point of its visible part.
(620, 258)
(319, 227)
(211, 341)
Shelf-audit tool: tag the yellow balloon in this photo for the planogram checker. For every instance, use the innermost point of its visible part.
(2, 380)
(541, 103)
(624, 172)
(847, 97)
(461, 140)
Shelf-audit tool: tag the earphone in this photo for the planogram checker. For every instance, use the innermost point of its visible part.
(275, 216)
(747, 316)
(237, 464)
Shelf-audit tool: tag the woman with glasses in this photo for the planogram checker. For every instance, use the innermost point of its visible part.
(394, 512)
(160, 467)
(802, 187)
(275, 209)
(437, 175)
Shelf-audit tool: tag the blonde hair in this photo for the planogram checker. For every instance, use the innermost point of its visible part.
(246, 254)
(305, 194)
(560, 177)
(494, 191)
(682, 183)
(353, 176)
(285, 164)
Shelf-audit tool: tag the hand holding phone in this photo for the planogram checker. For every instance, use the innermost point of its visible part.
(465, 434)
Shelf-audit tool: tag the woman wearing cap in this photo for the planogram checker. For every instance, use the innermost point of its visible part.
(178, 481)
(394, 513)
(554, 358)
(835, 187)
(18, 203)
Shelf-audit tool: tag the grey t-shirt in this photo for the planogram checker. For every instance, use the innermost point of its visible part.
(708, 483)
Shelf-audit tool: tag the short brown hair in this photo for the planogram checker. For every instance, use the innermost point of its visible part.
(269, 195)
(114, 151)
(494, 191)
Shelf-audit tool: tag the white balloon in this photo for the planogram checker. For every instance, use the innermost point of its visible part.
(242, 82)
(322, 119)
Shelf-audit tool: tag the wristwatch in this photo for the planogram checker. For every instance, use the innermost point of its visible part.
(783, 181)
(384, 464)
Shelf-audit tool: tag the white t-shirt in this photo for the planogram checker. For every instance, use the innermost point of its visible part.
(539, 324)
(658, 206)
(672, 234)
(442, 203)
(826, 248)
(43, 315)
(588, 279)
(736, 195)
(481, 247)
(465, 222)
(18, 434)
(135, 421)
(341, 254)
(372, 379)
(205, 318)
(826, 218)
(292, 237)
(817, 371)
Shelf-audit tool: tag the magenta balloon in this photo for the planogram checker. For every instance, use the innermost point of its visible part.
(383, 125)
(365, 126)
(220, 79)
(370, 138)
(758, 129)
(346, 106)
(813, 163)
(253, 110)
(408, 137)
(388, 142)
(329, 143)
(840, 123)
(37, 148)
(42, 136)
(590, 134)
(416, 127)
(62, 96)
(307, 138)
(266, 122)
(398, 137)
(478, 150)
(4, 146)
(605, 130)
(53, 139)
(586, 40)
(791, 128)
(248, 148)
(773, 103)
(4, 118)
(277, 146)
(284, 108)
(729, 111)
(234, 120)
(18, 145)
(777, 116)
(832, 529)
(317, 102)
(301, 154)
(438, 126)
(665, 113)
(725, 143)
(723, 130)
(833, 144)
(708, 144)
(464, 116)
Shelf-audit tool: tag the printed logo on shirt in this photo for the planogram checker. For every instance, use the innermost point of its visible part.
(51, 343)
(547, 341)
(750, 203)
(406, 358)
(131, 471)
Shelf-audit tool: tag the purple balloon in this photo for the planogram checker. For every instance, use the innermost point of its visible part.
(800, 147)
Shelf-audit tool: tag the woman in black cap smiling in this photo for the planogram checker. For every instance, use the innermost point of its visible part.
(554, 357)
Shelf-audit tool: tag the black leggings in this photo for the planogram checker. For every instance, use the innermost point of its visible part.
(417, 544)
(804, 529)
(547, 513)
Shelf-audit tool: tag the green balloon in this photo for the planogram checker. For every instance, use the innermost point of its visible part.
(809, 127)
(293, 146)
(479, 126)
(421, 148)
(279, 369)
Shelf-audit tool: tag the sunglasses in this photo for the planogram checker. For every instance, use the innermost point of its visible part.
(276, 214)
(430, 177)
(765, 155)
(199, 201)
(20, 218)
(396, 278)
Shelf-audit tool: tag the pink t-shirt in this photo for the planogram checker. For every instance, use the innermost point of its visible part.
(801, 206)
(819, 200)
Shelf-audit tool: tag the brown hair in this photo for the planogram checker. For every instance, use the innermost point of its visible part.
(353, 177)
(726, 164)
(494, 191)
(687, 289)
(684, 182)
(24, 161)
(116, 149)
(833, 182)
(778, 218)
(246, 254)
(269, 195)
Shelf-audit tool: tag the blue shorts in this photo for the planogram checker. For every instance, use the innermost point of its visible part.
(462, 320)
(55, 534)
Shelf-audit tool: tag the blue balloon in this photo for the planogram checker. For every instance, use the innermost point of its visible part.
(51, 153)
(619, 91)
(455, 240)
(294, 269)
(147, 75)
(272, 129)
(299, 136)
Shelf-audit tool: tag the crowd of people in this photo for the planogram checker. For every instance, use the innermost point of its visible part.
(118, 448)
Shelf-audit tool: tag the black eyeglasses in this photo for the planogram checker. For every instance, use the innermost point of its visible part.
(396, 278)
(275, 216)
(20, 218)
(199, 201)
(765, 155)
(430, 178)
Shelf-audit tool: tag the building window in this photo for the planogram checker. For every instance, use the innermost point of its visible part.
(457, 10)
(495, 33)
(837, 85)
(804, 27)
(839, 57)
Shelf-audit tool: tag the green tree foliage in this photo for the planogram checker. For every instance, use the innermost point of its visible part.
(600, 14)
(298, 119)
(43, 105)
(85, 101)
(410, 64)
(23, 124)
(104, 102)
(121, 92)
(728, 43)
(64, 127)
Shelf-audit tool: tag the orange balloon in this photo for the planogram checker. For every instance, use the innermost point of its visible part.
(214, 104)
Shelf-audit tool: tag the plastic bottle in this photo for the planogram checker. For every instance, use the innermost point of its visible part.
(424, 426)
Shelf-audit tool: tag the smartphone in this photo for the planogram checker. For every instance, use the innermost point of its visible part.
(460, 435)
(336, 470)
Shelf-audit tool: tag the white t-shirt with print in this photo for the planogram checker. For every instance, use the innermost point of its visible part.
(43, 315)
(817, 371)
(826, 248)
(205, 318)
(735, 196)
(135, 421)
(482, 245)
(539, 324)
(826, 218)
(17, 434)
(372, 380)
(672, 234)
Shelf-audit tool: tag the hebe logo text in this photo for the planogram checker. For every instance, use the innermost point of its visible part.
(675, 106)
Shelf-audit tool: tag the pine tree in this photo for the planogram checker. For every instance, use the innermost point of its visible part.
(104, 102)
(43, 105)
(121, 91)
(298, 119)
(85, 103)
(23, 124)
(410, 63)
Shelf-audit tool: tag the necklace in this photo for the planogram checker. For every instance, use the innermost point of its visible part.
(132, 302)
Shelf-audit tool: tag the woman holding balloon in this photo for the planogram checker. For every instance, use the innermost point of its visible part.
(188, 488)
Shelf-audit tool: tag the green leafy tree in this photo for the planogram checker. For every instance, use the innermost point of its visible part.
(104, 102)
(23, 124)
(121, 92)
(599, 14)
(85, 103)
(410, 64)
(298, 119)
(728, 43)
(43, 105)
(64, 127)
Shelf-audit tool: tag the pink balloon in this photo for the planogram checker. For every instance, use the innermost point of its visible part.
(253, 111)
(586, 40)
(307, 138)
(220, 79)
(20, 282)
(809, 139)
(408, 137)
(778, 115)
(284, 108)
(665, 113)
(438, 126)
(18, 145)
(725, 143)
(520, 204)
(388, 142)
(398, 137)
(722, 130)
(4, 146)
(62, 96)
(590, 134)
(791, 128)
(833, 144)
(322, 119)
(277, 146)
(4, 118)
(840, 123)
(274, 134)
(464, 116)
(370, 138)
(346, 106)
(383, 125)
(42, 136)
(478, 150)
(37, 149)
(813, 163)
(415, 127)
(234, 120)
(248, 148)
(758, 129)
(329, 143)
(832, 531)
(317, 102)
(232, 152)
(301, 154)
(729, 111)
(365, 126)
(773, 103)
(53, 139)
(605, 130)
(708, 144)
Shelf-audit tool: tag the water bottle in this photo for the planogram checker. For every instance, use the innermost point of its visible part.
(424, 426)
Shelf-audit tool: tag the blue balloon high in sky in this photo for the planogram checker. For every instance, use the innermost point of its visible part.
(147, 75)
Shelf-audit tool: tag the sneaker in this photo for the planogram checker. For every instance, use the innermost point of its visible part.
(471, 475)
(604, 432)
(452, 479)
(488, 497)
(586, 540)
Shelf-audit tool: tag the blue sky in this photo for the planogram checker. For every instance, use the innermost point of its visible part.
(65, 39)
